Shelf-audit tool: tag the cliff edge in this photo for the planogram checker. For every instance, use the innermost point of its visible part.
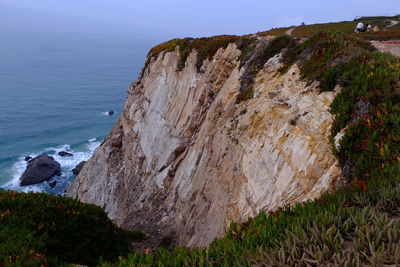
(189, 155)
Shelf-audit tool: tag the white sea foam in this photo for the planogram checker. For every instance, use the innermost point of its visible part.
(67, 164)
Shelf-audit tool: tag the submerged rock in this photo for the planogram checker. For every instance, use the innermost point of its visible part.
(65, 154)
(40, 169)
(53, 184)
(28, 158)
(78, 168)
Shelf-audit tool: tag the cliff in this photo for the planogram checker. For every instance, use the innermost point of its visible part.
(186, 158)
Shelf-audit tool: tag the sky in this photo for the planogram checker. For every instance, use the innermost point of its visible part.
(166, 19)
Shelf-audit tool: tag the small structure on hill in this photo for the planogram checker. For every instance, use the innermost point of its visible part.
(359, 27)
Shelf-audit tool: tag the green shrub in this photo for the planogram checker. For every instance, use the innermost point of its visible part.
(368, 104)
(324, 55)
(254, 59)
(205, 47)
(168, 46)
(44, 229)
(369, 107)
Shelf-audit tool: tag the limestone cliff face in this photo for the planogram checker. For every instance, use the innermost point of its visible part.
(185, 159)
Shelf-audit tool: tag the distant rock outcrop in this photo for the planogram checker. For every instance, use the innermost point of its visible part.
(40, 169)
(65, 154)
(78, 168)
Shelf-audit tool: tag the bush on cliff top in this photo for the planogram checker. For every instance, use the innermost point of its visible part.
(356, 225)
(38, 229)
(368, 105)
(205, 47)
(254, 59)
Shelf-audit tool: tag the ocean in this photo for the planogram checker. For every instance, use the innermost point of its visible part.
(55, 92)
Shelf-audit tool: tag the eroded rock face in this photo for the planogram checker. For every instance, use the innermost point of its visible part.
(78, 167)
(185, 159)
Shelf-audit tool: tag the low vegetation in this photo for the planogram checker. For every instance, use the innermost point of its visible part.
(323, 56)
(274, 31)
(306, 31)
(205, 47)
(253, 59)
(367, 106)
(41, 229)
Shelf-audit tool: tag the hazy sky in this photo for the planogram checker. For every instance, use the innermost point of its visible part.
(181, 18)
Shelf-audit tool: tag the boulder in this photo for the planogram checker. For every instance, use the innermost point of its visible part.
(40, 169)
(65, 154)
(28, 158)
(78, 168)
(111, 112)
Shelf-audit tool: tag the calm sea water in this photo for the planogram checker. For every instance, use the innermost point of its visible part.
(55, 89)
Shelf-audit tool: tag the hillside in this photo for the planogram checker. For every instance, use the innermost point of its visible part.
(356, 225)
(389, 28)
(236, 151)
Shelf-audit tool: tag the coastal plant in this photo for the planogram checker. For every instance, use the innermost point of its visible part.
(205, 47)
(367, 105)
(253, 59)
(323, 56)
(38, 229)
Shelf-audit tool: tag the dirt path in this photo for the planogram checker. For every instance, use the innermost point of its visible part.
(393, 23)
(392, 47)
(289, 31)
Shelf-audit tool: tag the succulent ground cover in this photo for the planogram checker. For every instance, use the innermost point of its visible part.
(41, 229)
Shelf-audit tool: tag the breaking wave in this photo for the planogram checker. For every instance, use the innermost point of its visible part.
(81, 153)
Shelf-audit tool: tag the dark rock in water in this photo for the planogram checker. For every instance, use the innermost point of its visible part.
(53, 184)
(65, 154)
(27, 158)
(40, 169)
(78, 168)
(111, 112)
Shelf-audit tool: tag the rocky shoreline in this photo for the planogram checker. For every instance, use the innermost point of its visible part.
(44, 167)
